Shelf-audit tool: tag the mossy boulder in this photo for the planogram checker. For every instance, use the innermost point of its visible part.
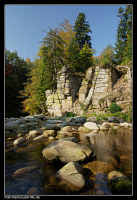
(119, 183)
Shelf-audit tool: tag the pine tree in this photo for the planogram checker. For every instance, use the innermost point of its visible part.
(85, 58)
(128, 49)
(82, 29)
(121, 36)
(73, 56)
(124, 35)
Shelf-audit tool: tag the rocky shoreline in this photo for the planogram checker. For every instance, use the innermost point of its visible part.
(70, 143)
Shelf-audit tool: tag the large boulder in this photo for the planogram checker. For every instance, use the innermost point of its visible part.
(72, 173)
(66, 151)
(92, 126)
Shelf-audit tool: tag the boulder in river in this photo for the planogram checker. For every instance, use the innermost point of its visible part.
(52, 126)
(25, 170)
(48, 133)
(33, 134)
(105, 126)
(19, 141)
(119, 183)
(80, 120)
(72, 173)
(91, 126)
(40, 137)
(84, 129)
(66, 151)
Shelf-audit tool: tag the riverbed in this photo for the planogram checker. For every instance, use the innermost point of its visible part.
(113, 147)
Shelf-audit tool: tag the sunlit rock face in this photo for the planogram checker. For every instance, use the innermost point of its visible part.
(75, 93)
(62, 100)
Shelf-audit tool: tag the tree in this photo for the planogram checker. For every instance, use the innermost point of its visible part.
(85, 58)
(43, 75)
(34, 91)
(82, 29)
(121, 36)
(73, 56)
(15, 75)
(124, 35)
(128, 48)
(80, 52)
(107, 57)
(52, 53)
(66, 33)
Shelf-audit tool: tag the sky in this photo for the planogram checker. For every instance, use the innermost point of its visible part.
(24, 24)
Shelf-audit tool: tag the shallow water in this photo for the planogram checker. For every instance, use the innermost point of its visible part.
(113, 147)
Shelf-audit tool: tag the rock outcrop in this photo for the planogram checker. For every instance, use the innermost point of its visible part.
(62, 100)
(75, 93)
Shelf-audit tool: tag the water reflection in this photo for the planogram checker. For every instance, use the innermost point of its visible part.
(114, 147)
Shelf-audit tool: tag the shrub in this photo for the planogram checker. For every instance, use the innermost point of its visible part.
(114, 108)
(69, 114)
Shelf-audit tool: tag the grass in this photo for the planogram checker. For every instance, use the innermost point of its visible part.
(127, 117)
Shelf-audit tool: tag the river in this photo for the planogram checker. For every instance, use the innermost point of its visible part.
(113, 147)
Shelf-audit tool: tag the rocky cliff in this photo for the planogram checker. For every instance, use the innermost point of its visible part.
(63, 98)
(94, 91)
